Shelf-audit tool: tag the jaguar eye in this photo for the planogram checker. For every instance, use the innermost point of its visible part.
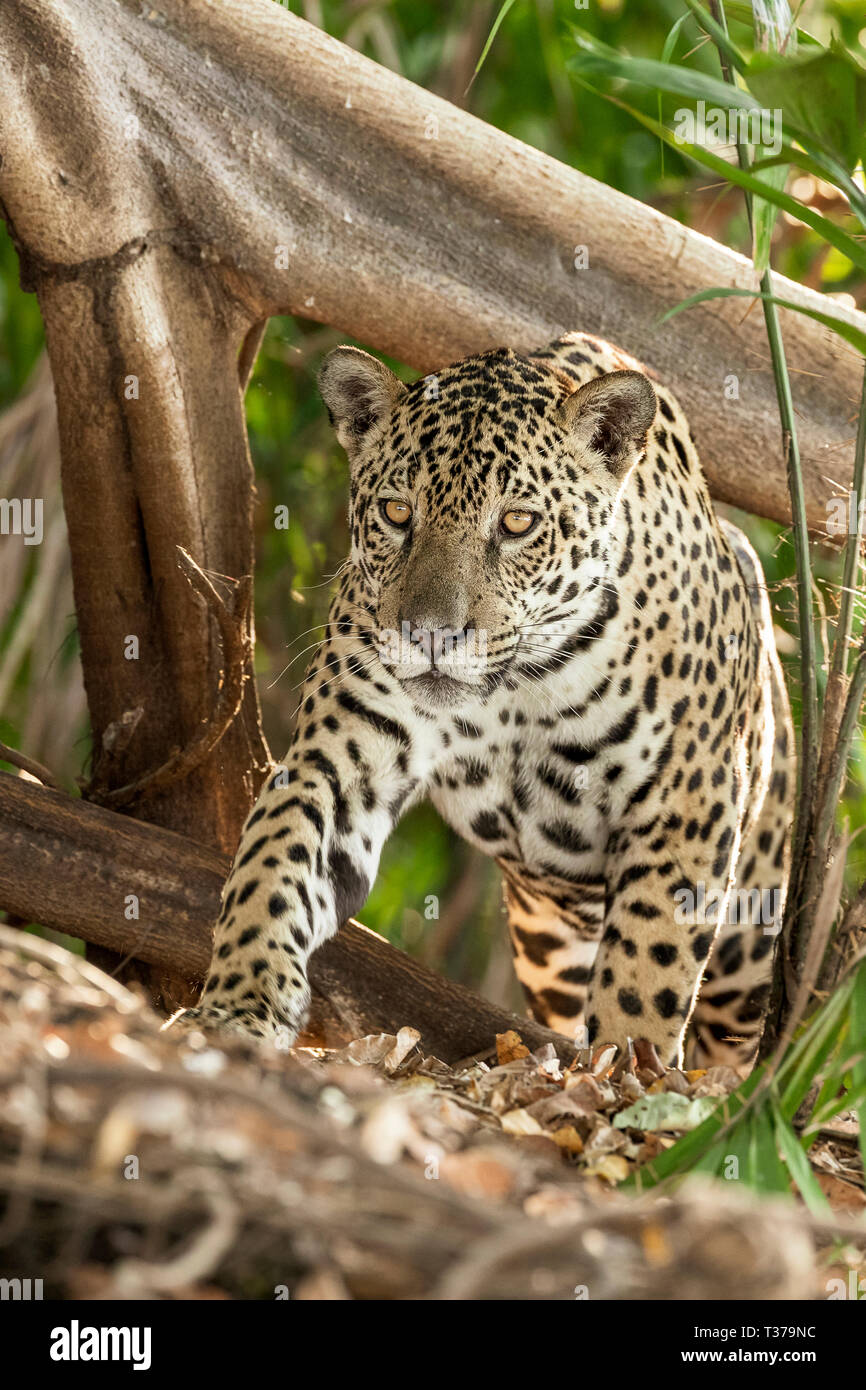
(517, 523)
(398, 513)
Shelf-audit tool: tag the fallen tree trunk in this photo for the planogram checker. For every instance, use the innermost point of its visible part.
(85, 870)
(288, 174)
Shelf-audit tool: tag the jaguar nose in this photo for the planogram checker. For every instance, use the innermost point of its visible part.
(434, 640)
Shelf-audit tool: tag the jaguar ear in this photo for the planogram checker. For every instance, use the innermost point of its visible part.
(360, 392)
(611, 415)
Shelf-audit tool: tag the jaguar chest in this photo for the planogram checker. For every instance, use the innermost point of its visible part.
(519, 799)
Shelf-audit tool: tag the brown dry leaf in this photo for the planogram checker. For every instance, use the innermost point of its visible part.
(631, 1088)
(510, 1047)
(647, 1058)
(677, 1082)
(557, 1205)
(654, 1144)
(603, 1058)
(567, 1138)
(406, 1039)
(846, 1126)
(564, 1104)
(370, 1051)
(549, 1064)
(388, 1130)
(478, 1173)
(656, 1246)
(717, 1081)
(456, 1116)
(842, 1196)
(520, 1122)
(595, 1093)
(512, 1086)
(613, 1168)
(606, 1139)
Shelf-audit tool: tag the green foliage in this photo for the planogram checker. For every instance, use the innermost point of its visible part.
(852, 335)
(823, 95)
(595, 60)
(21, 332)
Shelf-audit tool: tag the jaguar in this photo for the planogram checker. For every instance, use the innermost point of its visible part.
(544, 627)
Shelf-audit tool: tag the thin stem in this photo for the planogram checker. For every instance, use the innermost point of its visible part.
(808, 651)
(851, 566)
(838, 762)
(841, 707)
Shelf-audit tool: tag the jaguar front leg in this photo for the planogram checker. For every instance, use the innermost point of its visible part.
(309, 850)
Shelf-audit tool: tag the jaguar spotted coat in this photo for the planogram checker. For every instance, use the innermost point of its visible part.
(543, 627)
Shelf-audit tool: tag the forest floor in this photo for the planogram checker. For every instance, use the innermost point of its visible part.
(138, 1163)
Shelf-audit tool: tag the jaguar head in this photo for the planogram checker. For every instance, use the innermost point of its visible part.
(482, 501)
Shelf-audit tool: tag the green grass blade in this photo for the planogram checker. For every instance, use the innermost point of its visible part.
(855, 336)
(714, 1161)
(596, 60)
(670, 44)
(858, 1038)
(764, 216)
(804, 1060)
(820, 166)
(497, 24)
(801, 1064)
(798, 1165)
(827, 1109)
(770, 1174)
(719, 35)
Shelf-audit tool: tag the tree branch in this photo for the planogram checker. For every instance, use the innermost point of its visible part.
(80, 869)
(30, 766)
